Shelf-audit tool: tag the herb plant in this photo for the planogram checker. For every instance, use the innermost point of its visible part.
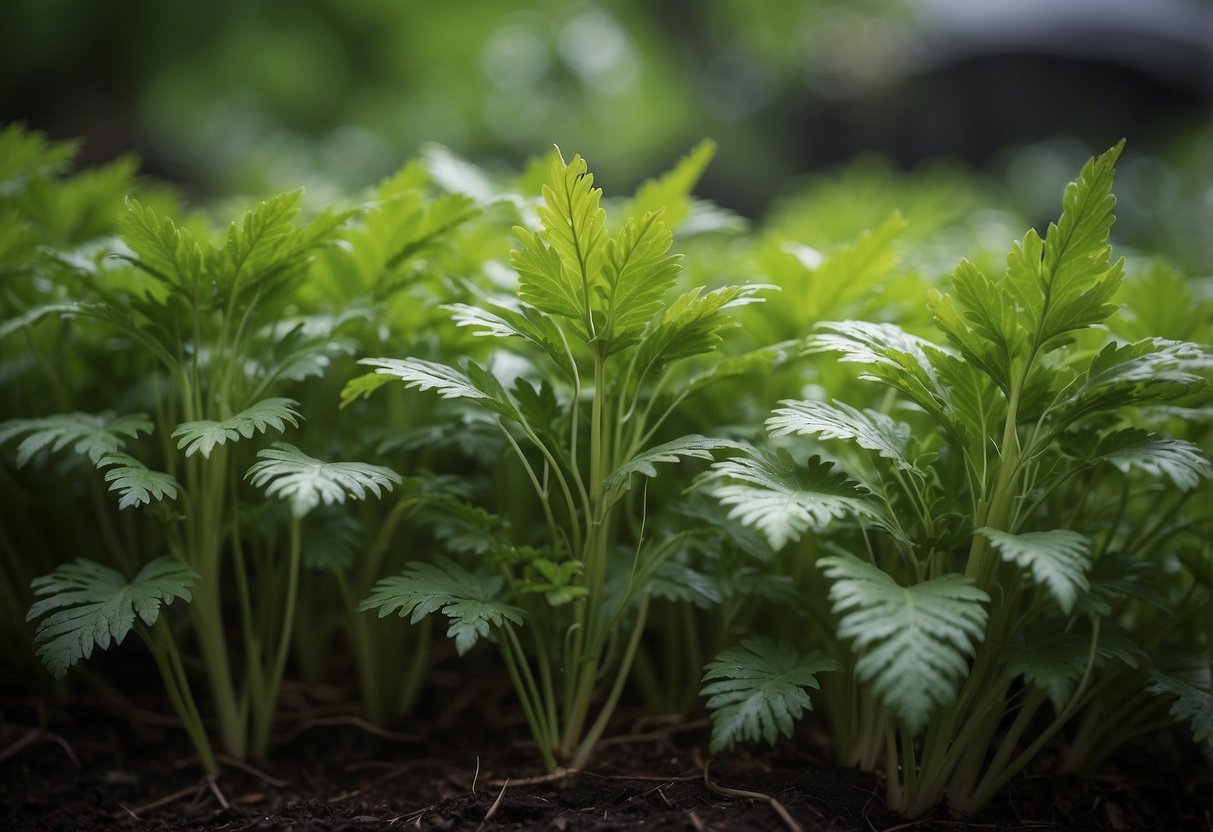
(987, 559)
(608, 361)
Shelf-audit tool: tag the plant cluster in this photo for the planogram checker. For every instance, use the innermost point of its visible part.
(626, 437)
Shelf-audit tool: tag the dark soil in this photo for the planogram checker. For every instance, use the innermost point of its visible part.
(94, 770)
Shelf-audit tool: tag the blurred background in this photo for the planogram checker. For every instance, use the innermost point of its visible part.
(249, 96)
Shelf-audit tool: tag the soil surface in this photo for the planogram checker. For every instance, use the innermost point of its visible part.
(114, 766)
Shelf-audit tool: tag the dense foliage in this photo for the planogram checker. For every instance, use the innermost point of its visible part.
(613, 438)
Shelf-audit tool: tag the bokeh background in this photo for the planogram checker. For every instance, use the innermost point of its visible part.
(250, 96)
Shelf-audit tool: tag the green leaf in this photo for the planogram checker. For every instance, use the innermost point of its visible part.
(890, 355)
(1066, 282)
(691, 324)
(672, 190)
(161, 249)
(1193, 700)
(1055, 661)
(868, 428)
(560, 267)
(256, 243)
(638, 273)
(527, 323)
(983, 322)
(37, 313)
(90, 434)
(331, 540)
(913, 640)
(692, 446)
(1145, 372)
(468, 599)
(476, 384)
(95, 606)
(306, 482)
(757, 691)
(135, 483)
(1180, 461)
(202, 436)
(1058, 560)
(783, 500)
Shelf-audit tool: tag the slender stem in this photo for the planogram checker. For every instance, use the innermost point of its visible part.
(274, 680)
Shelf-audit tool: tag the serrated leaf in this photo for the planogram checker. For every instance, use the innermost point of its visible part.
(1193, 700)
(913, 641)
(671, 191)
(468, 599)
(637, 274)
(692, 322)
(1150, 371)
(476, 384)
(1181, 462)
(90, 434)
(161, 248)
(1065, 283)
(676, 581)
(1058, 560)
(306, 482)
(255, 243)
(867, 428)
(783, 500)
(94, 606)
(757, 691)
(135, 483)
(692, 446)
(202, 436)
(527, 323)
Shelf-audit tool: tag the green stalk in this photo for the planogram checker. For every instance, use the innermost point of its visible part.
(264, 721)
(172, 672)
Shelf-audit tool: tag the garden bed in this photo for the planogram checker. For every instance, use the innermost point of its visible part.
(95, 770)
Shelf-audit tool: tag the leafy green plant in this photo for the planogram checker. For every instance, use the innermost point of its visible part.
(607, 360)
(1016, 500)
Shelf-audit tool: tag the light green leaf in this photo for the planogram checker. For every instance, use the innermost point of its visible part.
(913, 641)
(672, 190)
(692, 446)
(868, 428)
(202, 436)
(1145, 372)
(468, 599)
(96, 606)
(256, 242)
(638, 273)
(782, 500)
(135, 483)
(1058, 560)
(476, 384)
(90, 434)
(306, 482)
(161, 248)
(757, 691)
(1182, 462)
(692, 322)
(527, 323)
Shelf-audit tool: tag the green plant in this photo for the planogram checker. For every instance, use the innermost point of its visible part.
(986, 559)
(608, 361)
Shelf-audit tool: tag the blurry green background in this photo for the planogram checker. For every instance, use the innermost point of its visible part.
(235, 96)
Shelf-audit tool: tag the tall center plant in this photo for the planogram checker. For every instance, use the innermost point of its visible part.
(566, 602)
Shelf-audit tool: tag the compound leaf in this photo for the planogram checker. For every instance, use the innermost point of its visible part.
(95, 606)
(1058, 560)
(757, 691)
(468, 599)
(913, 641)
(202, 436)
(306, 482)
